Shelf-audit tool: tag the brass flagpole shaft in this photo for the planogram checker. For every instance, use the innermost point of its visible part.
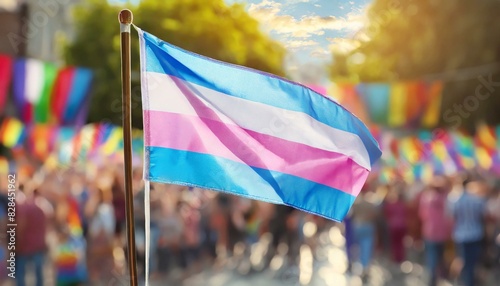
(125, 18)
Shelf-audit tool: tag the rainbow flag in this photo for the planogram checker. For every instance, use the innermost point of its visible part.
(229, 128)
(5, 76)
(43, 93)
(70, 94)
(33, 81)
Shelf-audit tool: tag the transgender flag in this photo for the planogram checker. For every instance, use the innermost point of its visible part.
(228, 128)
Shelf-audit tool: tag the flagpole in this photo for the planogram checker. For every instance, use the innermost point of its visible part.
(125, 18)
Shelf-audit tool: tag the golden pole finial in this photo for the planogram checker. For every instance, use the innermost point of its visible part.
(126, 17)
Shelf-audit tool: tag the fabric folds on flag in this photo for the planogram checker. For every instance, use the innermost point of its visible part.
(229, 128)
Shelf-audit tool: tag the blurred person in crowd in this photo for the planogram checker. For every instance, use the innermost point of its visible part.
(236, 221)
(118, 192)
(469, 211)
(252, 223)
(101, 216)
(31, 231)
(208, 235)
(282, 227)
(349, 240)
(436, 225)
(212, 223)
(171, 229)
(190, 237)
(396, 215)
(415, 222)
(493, 206)
(137, 180)
(221, 211)
(364, 215)
(295, 233)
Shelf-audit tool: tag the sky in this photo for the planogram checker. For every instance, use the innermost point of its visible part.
(309, 28)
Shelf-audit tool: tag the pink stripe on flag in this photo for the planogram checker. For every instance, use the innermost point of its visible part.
(209, 136)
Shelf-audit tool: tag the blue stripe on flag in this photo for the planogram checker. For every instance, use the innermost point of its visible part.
(210, 172)
(245, 83)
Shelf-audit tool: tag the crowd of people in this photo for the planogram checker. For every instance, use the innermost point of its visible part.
(73, 222)
(455, 220)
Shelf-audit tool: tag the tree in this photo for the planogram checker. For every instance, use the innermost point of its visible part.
(208, 27)
(421, 38)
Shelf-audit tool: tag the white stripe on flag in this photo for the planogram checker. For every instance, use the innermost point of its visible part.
(35, 76)
(165, 95)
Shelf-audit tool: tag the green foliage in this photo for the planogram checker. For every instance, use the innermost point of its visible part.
(208, 27)
(413, 39)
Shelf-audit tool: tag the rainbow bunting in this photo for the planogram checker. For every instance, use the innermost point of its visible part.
(415, 102)
(42, 140)
(397, 105)
(408, 150)
(483, 157)
(464, 150)
(84, 141)
(376, 99)
(431, 116)
(64, 144)
(113, 142)
(348, 98)
(486, 137)
(12, 132)
(402, 104)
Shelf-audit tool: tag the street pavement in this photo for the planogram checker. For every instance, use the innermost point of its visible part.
(327, 267)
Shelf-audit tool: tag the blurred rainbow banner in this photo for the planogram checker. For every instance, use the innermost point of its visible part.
(96, 142)
(420, 156)
(44, 93)
(399, 104)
